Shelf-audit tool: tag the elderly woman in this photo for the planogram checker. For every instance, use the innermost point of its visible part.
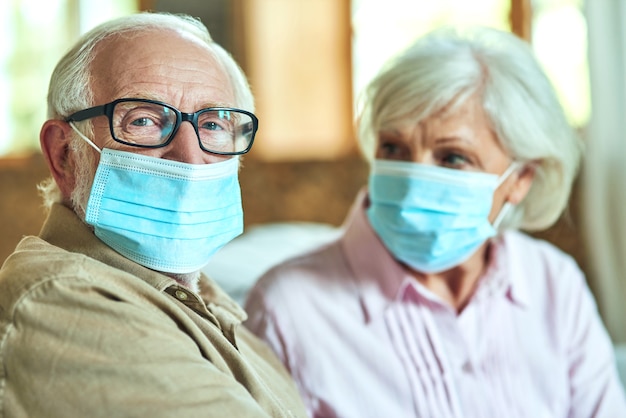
(431, 303)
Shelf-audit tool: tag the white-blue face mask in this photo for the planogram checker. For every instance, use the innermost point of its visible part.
(166, 215)
(432, 218)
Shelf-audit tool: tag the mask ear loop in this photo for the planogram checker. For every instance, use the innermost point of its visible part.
(503, 212)
(84, 137)
(514, 166)
(506, 208)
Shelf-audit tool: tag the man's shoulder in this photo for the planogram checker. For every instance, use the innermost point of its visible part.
(34, 260)
(39, 269)
(67, 317)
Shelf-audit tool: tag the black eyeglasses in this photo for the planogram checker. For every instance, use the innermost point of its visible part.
(151, 124)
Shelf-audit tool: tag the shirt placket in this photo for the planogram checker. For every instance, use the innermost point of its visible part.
(214, 313)
(426, 326)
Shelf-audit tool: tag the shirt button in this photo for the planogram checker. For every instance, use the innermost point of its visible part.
(181, 295)
(467, 367)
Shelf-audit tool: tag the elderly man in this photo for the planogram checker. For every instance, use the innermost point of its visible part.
(105, 313)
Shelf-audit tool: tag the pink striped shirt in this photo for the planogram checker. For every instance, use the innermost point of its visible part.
(363, 339)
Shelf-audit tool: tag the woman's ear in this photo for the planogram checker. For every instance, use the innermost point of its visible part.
(55, 137)
(523, 181)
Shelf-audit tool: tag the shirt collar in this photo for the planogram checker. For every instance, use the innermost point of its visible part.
(378, 274)
(64, 229)
(382, 280)
(507, 264)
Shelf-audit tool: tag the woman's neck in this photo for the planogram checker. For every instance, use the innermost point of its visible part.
(457, 285)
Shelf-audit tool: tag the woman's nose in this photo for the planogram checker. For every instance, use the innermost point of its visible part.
(422, 156)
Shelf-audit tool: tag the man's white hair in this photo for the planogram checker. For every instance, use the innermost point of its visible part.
(70, 87)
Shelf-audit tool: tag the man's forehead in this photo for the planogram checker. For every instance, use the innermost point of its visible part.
(129, 44)
(166, 57)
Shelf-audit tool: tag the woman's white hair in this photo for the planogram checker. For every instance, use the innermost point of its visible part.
(448, 66)
(70, 87)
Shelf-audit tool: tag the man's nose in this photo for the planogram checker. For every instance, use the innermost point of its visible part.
(185, 147)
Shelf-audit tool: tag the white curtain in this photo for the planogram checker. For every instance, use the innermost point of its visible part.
(604, 171)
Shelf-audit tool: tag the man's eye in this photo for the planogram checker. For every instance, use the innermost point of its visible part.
(212, 126)
(142, 122)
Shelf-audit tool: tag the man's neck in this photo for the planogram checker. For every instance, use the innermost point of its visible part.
(188, 280)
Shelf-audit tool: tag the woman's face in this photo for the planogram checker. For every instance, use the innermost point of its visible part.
(461, 140)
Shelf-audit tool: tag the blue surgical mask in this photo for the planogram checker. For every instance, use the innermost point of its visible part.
(431, 218)
(166, 215)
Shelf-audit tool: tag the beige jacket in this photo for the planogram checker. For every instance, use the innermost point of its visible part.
(85, 332)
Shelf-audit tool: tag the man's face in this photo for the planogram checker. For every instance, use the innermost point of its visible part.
(164, 66)
(159, 65)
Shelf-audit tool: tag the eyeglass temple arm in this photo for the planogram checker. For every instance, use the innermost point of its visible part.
(92, 112)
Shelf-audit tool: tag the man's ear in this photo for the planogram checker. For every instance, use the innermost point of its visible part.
(55, 137)
(522, 184)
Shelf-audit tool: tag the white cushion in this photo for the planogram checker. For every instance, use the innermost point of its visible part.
(620, 358)
(239, 264)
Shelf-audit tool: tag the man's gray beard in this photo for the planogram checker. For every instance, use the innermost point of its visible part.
(86, 166)
(85, 172)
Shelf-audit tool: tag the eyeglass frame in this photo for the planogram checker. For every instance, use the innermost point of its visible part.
(107, 110)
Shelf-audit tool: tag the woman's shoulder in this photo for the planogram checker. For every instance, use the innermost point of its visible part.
(537, 251)
(540, 264)
(313, 284)
(320, 266)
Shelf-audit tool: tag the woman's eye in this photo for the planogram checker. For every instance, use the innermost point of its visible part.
(454, 160)
(389, 148)
(392, 150)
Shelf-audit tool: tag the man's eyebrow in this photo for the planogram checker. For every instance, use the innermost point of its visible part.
(156, 98)
(215, 104)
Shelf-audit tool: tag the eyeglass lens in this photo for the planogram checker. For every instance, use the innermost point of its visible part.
(149, 124)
